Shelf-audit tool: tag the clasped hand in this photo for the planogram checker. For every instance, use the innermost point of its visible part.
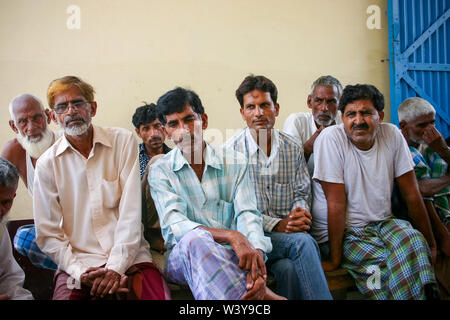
(104, 281)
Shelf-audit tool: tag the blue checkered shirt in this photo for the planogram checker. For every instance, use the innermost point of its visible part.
(282, 181)
(224, 199)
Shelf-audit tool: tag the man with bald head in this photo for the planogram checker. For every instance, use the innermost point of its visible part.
(29, 120)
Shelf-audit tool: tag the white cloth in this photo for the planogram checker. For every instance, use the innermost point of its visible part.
(11, 275)
(88, 211)
(30, 167)
(30, 173)
(368, 176)
(302, 127)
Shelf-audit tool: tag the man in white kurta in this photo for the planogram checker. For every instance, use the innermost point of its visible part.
(87, 201)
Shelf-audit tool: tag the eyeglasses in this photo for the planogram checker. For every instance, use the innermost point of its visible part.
(61, 108)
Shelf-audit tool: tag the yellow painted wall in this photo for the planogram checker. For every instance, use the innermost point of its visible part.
(136, 50)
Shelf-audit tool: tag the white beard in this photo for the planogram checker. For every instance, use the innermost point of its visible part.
(36, 147)
(325, 123)
(76, 130)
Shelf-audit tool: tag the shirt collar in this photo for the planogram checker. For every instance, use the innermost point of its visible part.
(211, 155)
(253, 147)
(100, 136)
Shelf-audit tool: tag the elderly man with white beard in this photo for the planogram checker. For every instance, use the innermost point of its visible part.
(29, 120)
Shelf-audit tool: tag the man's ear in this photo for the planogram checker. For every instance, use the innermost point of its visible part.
(309, 101)
(138, 132)
(53, 116)
(381, 113)
(204, 121)
(402, 124)
(93, 108)
(277, 109)
(47, 113)
(13, 126)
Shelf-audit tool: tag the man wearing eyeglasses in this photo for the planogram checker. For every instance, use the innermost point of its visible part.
(87, 204)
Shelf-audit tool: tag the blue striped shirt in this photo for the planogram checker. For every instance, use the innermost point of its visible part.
(282, 181)
(224, 199)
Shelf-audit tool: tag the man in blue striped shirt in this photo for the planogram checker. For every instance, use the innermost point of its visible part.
(278, 171)
(207, 209)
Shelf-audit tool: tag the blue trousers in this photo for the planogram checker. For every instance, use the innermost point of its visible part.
(295, 263)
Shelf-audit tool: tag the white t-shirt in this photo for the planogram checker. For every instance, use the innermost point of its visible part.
(302, 127)
(368, 175)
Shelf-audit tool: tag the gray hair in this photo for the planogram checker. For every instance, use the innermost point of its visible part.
(9, 175)
(24, 96)
(327, 81)
(412, 108)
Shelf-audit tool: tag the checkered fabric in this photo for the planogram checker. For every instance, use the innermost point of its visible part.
(432, 166)
(25, 244)
(210, 270)
(283, 182)
(398, 251)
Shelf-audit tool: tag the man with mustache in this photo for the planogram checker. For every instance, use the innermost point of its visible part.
(306, 127)
(282, 184)
(207, 209)
(87, 204)
(417, 122)
(12, 276)
(29, 120)
(356, 163)
(151, 131)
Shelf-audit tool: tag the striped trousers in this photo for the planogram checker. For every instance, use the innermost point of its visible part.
(209, 269)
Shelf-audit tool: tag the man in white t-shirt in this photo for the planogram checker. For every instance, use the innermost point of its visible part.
(306, 127)
(356, 163)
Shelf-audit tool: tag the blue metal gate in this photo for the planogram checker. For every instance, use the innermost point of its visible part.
(419, 50)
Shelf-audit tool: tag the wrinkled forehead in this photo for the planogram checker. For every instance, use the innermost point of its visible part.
(26, 107)
(326, 92)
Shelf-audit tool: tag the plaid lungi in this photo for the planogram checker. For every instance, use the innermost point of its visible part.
(398, 251)
(25, 244)
(209, 269)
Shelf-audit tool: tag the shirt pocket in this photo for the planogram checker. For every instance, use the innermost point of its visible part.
(281, 197)
(111, 193)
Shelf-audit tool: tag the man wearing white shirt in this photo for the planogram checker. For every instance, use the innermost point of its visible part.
(11, 275)
(306, 127)
(87, 204)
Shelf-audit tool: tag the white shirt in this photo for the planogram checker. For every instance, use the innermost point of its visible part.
(368, 176)
(11, 275)
(88, 211)
(302, 127)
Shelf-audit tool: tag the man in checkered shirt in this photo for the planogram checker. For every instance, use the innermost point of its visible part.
(282, 183)
(417, 118)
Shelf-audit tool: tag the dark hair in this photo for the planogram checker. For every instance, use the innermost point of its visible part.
(9, 175)
(361, 92)
(145, 114)
(251, 83)
(175, 100)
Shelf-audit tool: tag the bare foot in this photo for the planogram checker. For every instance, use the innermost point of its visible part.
(270, 295)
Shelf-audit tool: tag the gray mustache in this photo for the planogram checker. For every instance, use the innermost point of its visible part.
(74, 118)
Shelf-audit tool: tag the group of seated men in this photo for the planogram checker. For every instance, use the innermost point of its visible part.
(293, 203)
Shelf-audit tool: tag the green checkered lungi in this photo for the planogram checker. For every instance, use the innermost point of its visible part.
(398, 251)
(438, 168)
